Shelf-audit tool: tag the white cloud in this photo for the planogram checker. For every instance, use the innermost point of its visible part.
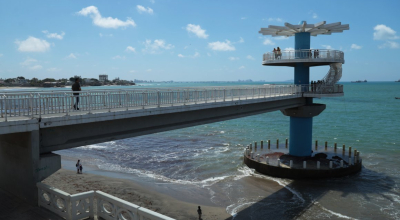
(383, 32)
(196, 29)
(130, 49)
(268, 42)
(28, 62)
(53, 69)
(289, 48)
(197, 54)
(233, 58)
(149, 70)
(35, 67)
(33, 44)
(275, 19)
(355, 46)
(105, 35)
(390, 44)
(118, 57)
(71, 56)
(54, 35)
(156, 46)
(241, 67)
(221, 46)
(105, 22)
(142, 9)
(328, 47)
(281, 38)
(314, 15)
(250, 57)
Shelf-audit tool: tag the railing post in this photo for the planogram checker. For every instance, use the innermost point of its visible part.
(224, 94)
(40, 106)
(158, 99)
(206, 95)
(109, 102)
(66, 104)
(90, 102)
(5, 107)
(126, 100)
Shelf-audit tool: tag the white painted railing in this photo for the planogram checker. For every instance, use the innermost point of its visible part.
(310, 55)
(80, 206)
(38, 104)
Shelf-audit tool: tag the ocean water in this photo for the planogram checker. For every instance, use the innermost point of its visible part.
(208, 159)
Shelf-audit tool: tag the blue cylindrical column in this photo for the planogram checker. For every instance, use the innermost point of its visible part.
(301, 128)
(300, 136)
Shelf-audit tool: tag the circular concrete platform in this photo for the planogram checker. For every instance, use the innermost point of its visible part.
(324, 163)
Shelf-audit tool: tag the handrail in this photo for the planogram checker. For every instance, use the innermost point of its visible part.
(91, 101)
(309, 54)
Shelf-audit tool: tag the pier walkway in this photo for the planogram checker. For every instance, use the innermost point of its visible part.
(33, 124)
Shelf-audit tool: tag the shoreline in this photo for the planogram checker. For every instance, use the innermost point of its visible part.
(71, 182)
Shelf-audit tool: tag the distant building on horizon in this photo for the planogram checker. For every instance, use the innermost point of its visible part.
(103, 78)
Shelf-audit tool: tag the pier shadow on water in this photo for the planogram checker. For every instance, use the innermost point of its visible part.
(351, 197)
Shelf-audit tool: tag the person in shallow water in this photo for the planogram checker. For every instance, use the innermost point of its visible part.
(199, 212)
(78, 166)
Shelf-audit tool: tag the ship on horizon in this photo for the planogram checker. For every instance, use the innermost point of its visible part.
(397, 80)
(360, 81)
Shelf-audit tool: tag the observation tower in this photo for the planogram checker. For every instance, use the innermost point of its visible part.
(302, 58)
(298, 159)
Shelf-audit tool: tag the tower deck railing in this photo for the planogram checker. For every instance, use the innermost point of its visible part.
(312, 55)
(38, 104)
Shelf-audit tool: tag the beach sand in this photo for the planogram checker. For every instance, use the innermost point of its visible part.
(71, 182)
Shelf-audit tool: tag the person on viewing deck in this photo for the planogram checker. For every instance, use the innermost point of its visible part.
(76, 87)
(78, 166)
(199, 212)
(278, 51)
(275, 53)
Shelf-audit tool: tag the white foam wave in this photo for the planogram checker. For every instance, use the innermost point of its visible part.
(283, 182)
(234, 208)
(203, 183)
(92, 147)
(333, 213)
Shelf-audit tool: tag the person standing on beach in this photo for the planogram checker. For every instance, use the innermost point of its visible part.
(78, 166)
(76, 87)
(199, 212)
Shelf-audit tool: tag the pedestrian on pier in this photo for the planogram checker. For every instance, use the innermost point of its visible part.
(275, 53)
(78, 166)
(199, 212)
(76, 87)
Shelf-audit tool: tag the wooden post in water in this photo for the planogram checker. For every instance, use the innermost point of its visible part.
(316, 144)
(326, 145)
(287, 143)
(344, 149)
(279, 162)
(335, 147)
(277, 143)
(262, 144)
(255, 144)
(269, 144)
(349, 151)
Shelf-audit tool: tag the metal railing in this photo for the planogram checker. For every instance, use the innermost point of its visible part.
(311, 55)
(37, 104)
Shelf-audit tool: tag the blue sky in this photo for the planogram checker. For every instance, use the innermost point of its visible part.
(189, 40)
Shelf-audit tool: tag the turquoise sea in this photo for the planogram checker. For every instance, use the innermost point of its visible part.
(207, 159)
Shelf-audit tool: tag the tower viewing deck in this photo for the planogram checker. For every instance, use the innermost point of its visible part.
(309, 57)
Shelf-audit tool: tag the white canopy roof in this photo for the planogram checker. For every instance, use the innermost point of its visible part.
(314, 29)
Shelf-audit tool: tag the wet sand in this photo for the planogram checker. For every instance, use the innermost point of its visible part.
(71, 182)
